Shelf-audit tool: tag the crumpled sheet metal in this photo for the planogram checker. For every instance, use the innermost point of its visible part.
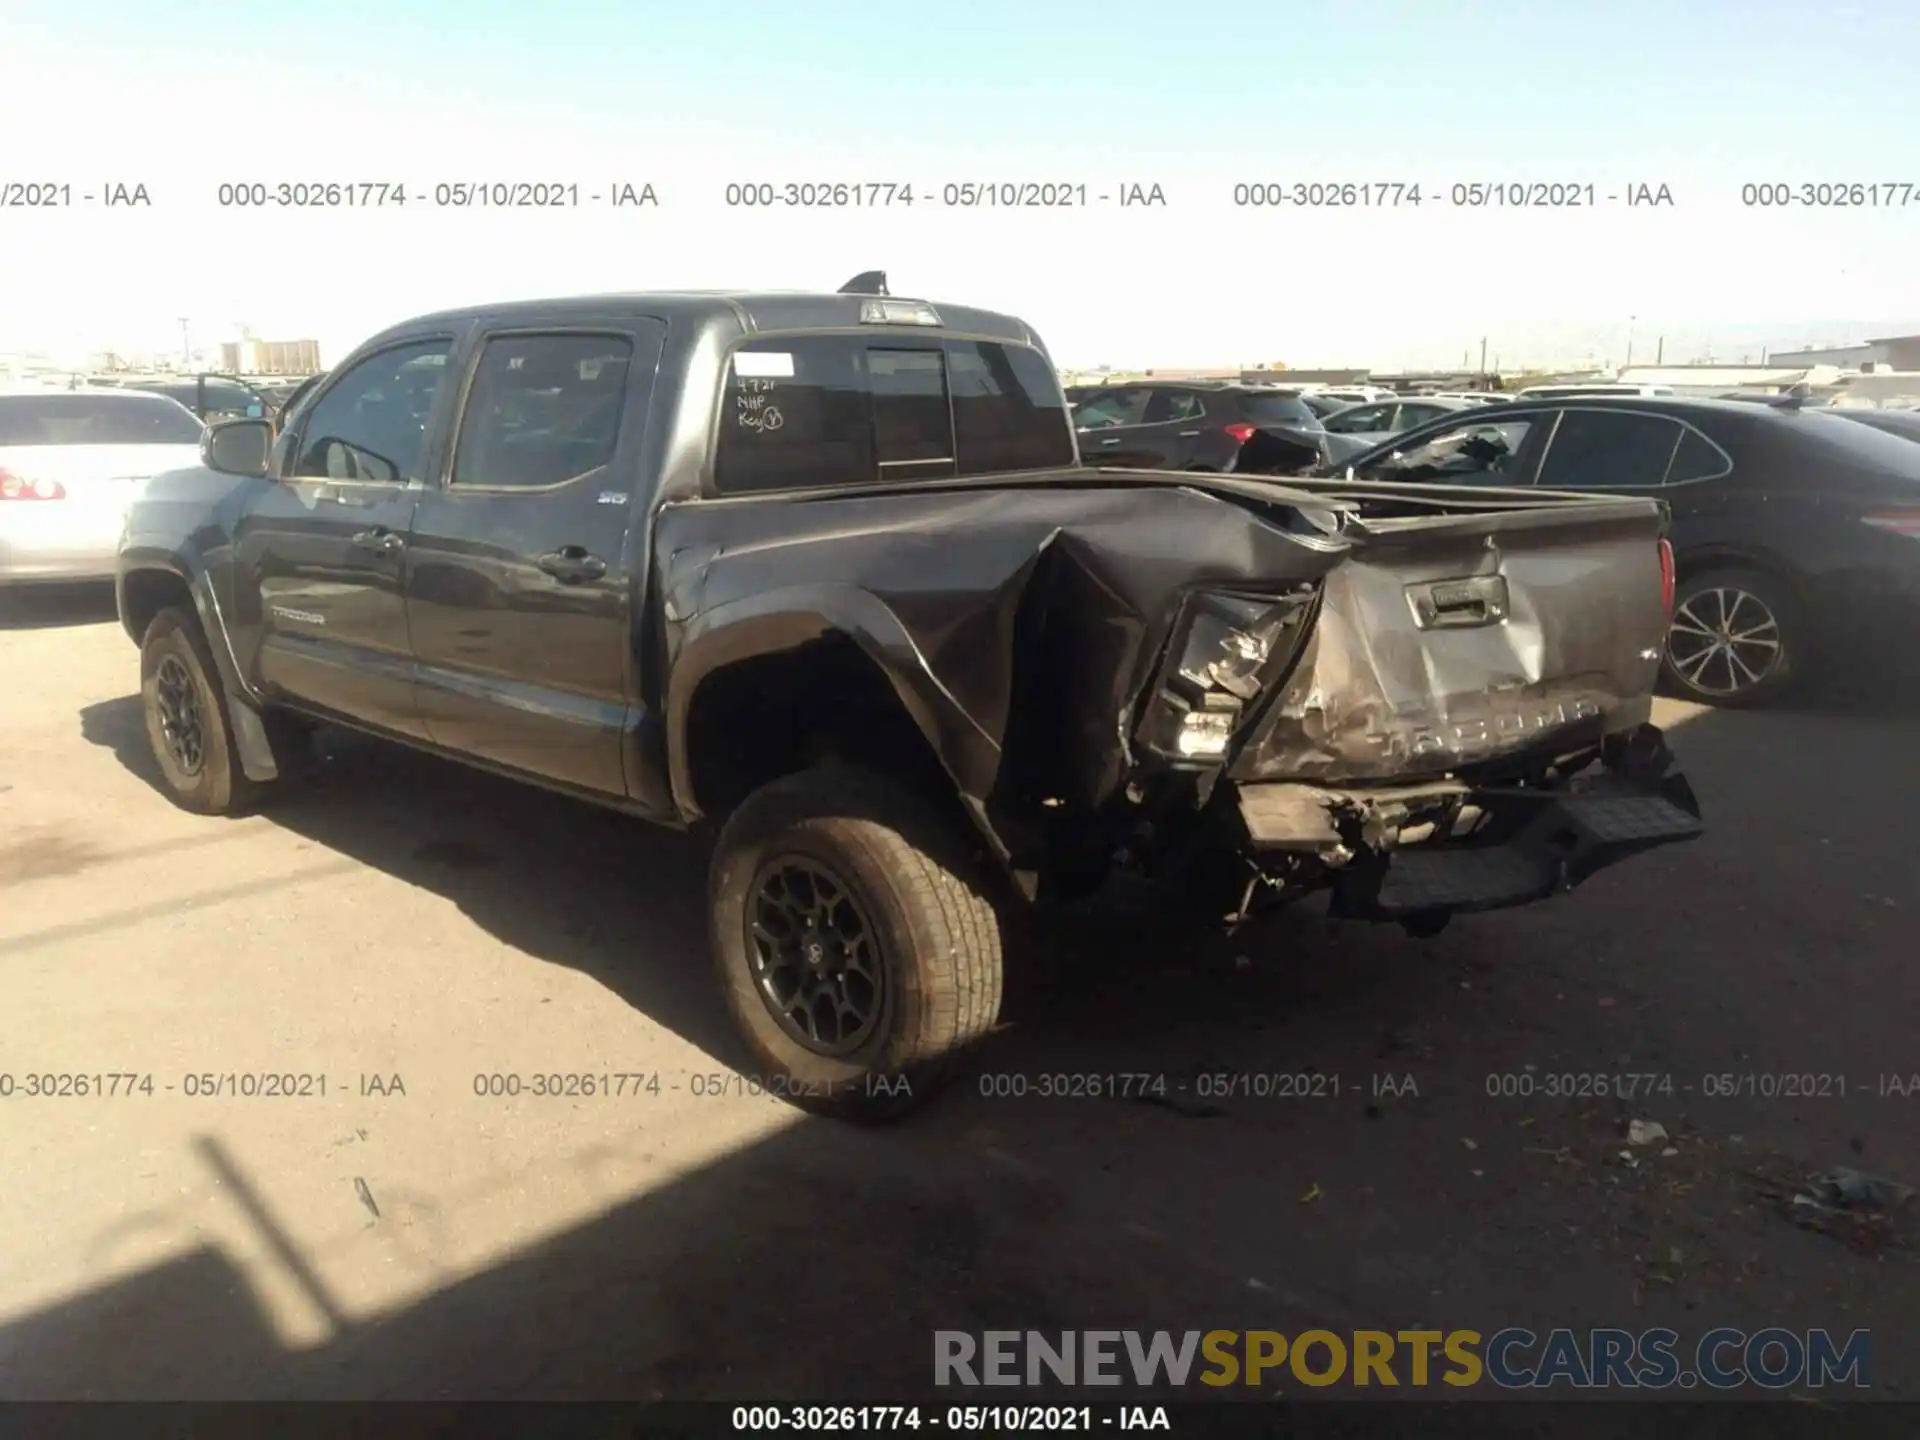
(1031, 608)
(1375, 697)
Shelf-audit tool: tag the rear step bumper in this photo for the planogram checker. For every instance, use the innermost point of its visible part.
(1530, 844)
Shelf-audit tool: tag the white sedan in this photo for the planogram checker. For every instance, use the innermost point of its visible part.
(71, 462)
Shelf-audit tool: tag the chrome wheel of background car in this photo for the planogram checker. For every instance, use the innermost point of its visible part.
(181, 725)
(1723, 641)
(815, 960)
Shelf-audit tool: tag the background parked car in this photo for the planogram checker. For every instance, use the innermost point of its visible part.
(1568, 392)
(1324, 405)
(211, 397)
(1796, 531)
(71, 461)
(1355, 394)
(1904, 423)
(1373, 423)
(1193, 426)
(294, 394)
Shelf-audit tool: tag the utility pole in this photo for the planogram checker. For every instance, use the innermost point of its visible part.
(1630, 320)
(186, 344)
(1660, 350)
(1483, 357)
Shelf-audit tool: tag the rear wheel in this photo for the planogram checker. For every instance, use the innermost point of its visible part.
(187, 722)
(1735, 640)
(859, 956)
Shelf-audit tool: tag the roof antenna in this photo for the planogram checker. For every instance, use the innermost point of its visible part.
(867, 282)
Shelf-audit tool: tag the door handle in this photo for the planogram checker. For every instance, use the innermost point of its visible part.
(1114, 441)
(571, 564)
(380, 540)
(1188, 434)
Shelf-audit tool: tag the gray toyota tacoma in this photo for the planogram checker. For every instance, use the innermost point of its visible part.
(826, 574)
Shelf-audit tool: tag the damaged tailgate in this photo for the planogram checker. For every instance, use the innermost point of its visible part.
(1467, 625)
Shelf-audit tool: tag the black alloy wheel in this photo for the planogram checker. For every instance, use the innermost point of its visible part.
(182, 727)
(815, 955)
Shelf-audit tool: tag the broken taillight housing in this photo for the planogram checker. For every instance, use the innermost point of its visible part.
(15, 487)
(1242, 432)
(1225, 650)
(1668, 577)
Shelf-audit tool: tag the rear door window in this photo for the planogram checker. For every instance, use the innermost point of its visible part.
(544, 409)
(1474, 453)
(1609, 450)
(1361, 419)
(1169, 406)
(1112, 408)
(1698, 458)
(1409, 416)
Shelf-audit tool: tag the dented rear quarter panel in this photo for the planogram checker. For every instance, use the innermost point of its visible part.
(1015, 614)
(1022, 621)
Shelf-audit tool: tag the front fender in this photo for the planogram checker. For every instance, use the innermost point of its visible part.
(788, 618)
(137, 559)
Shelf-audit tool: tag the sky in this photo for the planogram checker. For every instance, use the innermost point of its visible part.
(1200, 100)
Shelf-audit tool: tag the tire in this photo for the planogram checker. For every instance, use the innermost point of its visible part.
(1699, 665)
(906, 879)
(207, 778)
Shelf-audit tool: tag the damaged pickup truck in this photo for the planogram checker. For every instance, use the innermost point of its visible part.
(824, 573)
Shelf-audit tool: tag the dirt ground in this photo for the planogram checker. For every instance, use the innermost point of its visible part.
(401, 927)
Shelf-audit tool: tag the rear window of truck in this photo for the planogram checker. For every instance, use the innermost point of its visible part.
(821, 410)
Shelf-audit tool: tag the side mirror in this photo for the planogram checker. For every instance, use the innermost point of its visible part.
(237, 447)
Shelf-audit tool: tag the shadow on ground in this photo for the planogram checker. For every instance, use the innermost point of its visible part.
(48, 606)
(1272, 1183)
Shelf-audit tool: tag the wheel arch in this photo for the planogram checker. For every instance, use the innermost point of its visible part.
(1693, 561)
(759, 685)
(150, 581)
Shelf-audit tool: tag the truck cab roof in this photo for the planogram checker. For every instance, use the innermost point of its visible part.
(751, 312)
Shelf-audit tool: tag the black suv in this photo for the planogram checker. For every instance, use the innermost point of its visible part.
(1160, 425)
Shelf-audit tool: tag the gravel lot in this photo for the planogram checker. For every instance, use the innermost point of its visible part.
(404, 918)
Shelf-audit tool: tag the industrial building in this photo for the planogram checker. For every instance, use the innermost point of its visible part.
(1893, 352)
(271, 357)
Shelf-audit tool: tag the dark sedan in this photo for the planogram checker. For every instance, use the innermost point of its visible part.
(1796, 532)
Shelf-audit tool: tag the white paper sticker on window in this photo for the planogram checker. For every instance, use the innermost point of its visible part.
(763, 364)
